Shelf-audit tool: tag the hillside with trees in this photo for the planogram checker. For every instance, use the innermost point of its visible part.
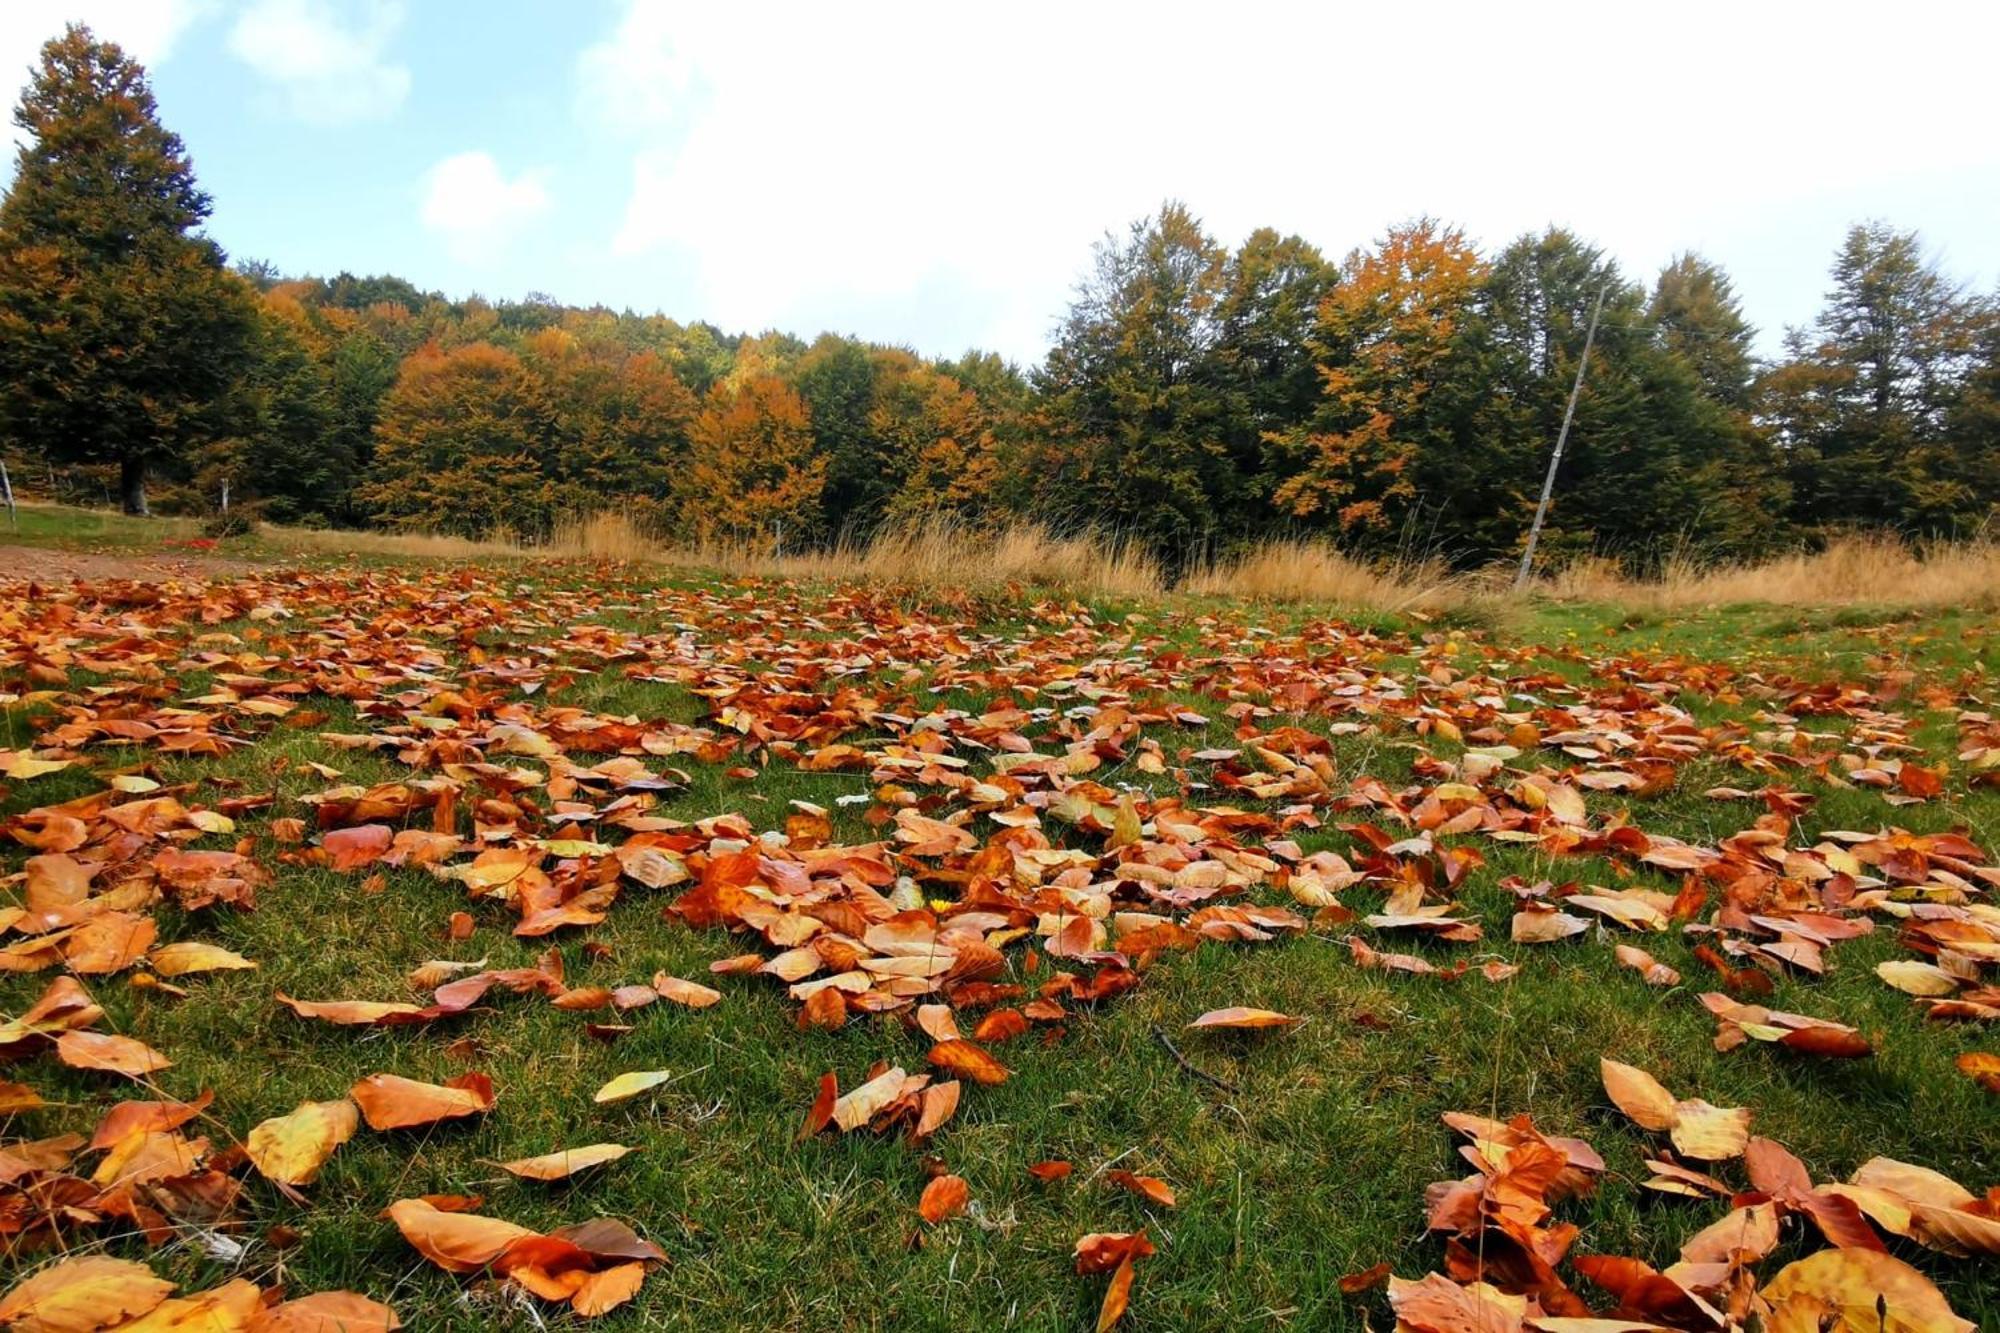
(1196, 399)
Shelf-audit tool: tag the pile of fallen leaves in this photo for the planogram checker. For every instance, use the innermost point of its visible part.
(1505, 1249)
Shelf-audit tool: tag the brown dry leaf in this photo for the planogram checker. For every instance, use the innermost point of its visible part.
(323, 1312)
(108, 942)
(820, 1113)
(1650, 969)
(1353, 1284)
(116, 1055)
(291, 1149)
(1859, 1291)
(692, 994)
(79, 1295)
(1638, 1094)
(389, 1101)
(455, 1242)
(1436, 1304)
(566, 1163)
(1240, 1017)
(945, 1197)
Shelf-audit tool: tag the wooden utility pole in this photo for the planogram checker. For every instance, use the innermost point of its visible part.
(1562, 436)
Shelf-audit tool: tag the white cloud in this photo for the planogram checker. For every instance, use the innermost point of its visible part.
(147, 29)
(330, 72)
(831, 165)
(472, 205)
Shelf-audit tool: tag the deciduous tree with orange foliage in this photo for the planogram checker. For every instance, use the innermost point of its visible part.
(752, 475)
(459, 445)
(1387, 332)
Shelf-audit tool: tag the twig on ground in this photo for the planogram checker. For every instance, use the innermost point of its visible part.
(1187, 1066)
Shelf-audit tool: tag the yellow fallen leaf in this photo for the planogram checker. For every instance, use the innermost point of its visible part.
(627, 1086)
(174, 960)
(561, 1165)
(291, 1149)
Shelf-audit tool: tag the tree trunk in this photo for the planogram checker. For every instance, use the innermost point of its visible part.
(132, 484)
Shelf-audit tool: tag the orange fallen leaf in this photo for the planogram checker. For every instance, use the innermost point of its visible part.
(1148, 1187)
(326, 1312)
(944, 1197)
(455, 1242)
(389, 1101)
(968, 1060)
(608, 1288)
(692, 994)
(116, 1055)
(1982, 1068)
(1051, 1170)
(79, 1295)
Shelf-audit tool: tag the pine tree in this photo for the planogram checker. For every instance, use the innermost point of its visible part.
(120, 330)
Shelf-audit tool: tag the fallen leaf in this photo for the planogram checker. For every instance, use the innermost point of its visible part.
(566, 1163)
(630, 1085)
(291, 1149)
(944, 1197)
(389, 1101)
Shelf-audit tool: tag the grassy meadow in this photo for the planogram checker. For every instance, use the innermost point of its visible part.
(1302, 1159)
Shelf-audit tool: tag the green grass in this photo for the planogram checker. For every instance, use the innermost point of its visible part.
(1313, 1167)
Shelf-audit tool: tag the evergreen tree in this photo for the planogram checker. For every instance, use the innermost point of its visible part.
(120, 331)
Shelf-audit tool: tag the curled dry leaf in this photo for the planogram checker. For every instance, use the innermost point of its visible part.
(389, 1101)
(291, 1149)
(1151, 1188)
(566, 1163)
(1982, 1068)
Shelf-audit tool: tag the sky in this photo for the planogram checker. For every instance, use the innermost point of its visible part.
(935, 175)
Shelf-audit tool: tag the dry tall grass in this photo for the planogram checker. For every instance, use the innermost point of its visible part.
(940, 555)
(1317, 571)
(1872, 570)
(933, 555)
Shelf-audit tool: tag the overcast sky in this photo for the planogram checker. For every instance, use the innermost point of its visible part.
(935, 174)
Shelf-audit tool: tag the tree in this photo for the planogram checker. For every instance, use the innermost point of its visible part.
(1701, 321)
(751, 474)
(120, 330)
(837, 377)
(937, 431)
(1130, 390)
(1861, 405)
(460, 444)
(282, 453)
(1390, 330)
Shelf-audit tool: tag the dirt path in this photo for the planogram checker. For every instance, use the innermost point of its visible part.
(48, 565)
